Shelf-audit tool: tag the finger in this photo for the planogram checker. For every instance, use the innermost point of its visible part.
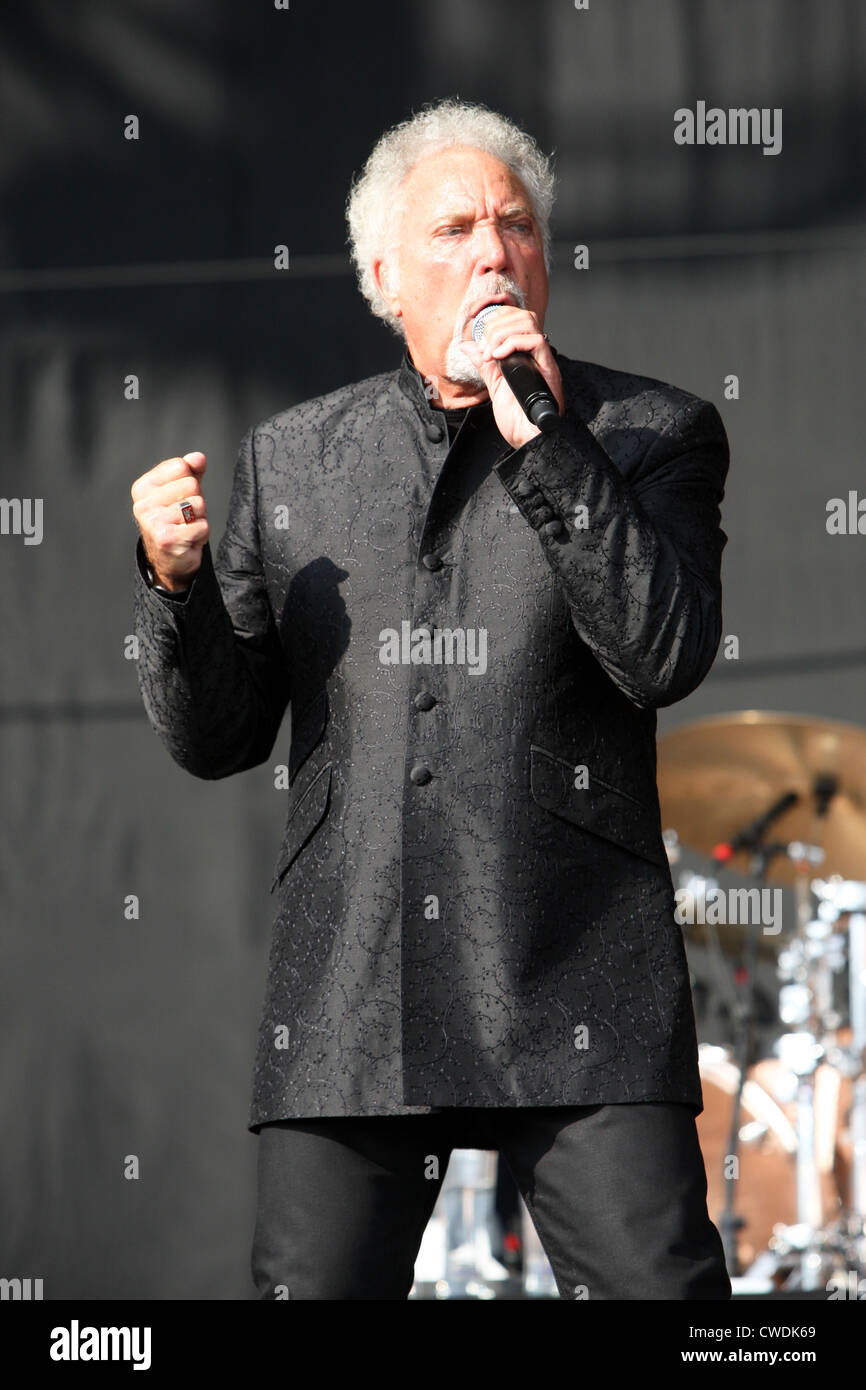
(537, 345)
(173, 492)
(518, 342)
(152, 516)
(508, 321)
(193, 464)
(191, 508)
(177, 539)
(166, 499)
(549, 368)
(170, 534)
(538, 348)
(484, 362)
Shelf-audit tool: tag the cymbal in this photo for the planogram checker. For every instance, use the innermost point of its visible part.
(717, 775)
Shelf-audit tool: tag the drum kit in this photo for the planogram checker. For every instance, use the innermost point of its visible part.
(780, 800)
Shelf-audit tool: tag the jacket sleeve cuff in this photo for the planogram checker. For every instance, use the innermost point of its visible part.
(189, 598)
(548, 476)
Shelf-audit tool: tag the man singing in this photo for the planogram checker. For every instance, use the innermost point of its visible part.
(473, 624)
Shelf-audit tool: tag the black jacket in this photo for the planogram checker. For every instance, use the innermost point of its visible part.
(473, 902)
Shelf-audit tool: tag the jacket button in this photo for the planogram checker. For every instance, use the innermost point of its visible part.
(543, 514)
(432, 561)
(424, 700)
(524, 487)
(553, 528)
(435, 433)
(420, 775)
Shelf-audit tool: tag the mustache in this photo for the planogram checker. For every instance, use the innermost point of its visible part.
(499, 284)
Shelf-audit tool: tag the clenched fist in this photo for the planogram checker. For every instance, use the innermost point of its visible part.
(173, 546)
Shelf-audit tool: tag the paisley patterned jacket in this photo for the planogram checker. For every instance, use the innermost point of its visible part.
(473, 901)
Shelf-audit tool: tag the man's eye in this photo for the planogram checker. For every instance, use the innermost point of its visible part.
(448, 230)
(521, 226)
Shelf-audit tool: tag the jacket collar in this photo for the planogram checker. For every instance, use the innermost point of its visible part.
(413, 386)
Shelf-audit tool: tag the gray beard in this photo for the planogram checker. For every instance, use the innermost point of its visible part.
(457, 365)
(459, 368)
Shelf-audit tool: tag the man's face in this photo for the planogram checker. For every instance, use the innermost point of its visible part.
(466, 236)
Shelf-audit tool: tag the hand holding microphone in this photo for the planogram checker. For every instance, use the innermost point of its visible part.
(519, 371)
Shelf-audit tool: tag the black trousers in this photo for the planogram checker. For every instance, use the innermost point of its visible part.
(617, 1194)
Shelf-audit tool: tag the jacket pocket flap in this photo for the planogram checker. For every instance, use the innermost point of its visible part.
(304, 819)
(307, 729)
(600, 808)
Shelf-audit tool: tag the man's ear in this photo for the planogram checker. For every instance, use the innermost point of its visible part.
(385, 279)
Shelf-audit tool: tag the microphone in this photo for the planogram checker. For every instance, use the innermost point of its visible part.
(527, 384)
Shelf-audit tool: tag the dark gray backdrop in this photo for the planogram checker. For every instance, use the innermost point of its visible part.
(135, 1037)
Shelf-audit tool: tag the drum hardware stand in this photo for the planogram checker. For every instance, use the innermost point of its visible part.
(810, 1251)
(743, 1019)
(707, 772)
(846, 1235)
(857, 1062)
(743, 1016)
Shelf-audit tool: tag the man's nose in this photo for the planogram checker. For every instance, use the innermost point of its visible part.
(490, 251)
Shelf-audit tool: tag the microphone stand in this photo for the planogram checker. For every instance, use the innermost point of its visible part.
(744, 1056)
(824, 789)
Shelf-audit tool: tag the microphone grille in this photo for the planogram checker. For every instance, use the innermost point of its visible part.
(480, 318)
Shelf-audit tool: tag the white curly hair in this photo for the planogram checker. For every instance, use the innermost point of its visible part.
(373, 202)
